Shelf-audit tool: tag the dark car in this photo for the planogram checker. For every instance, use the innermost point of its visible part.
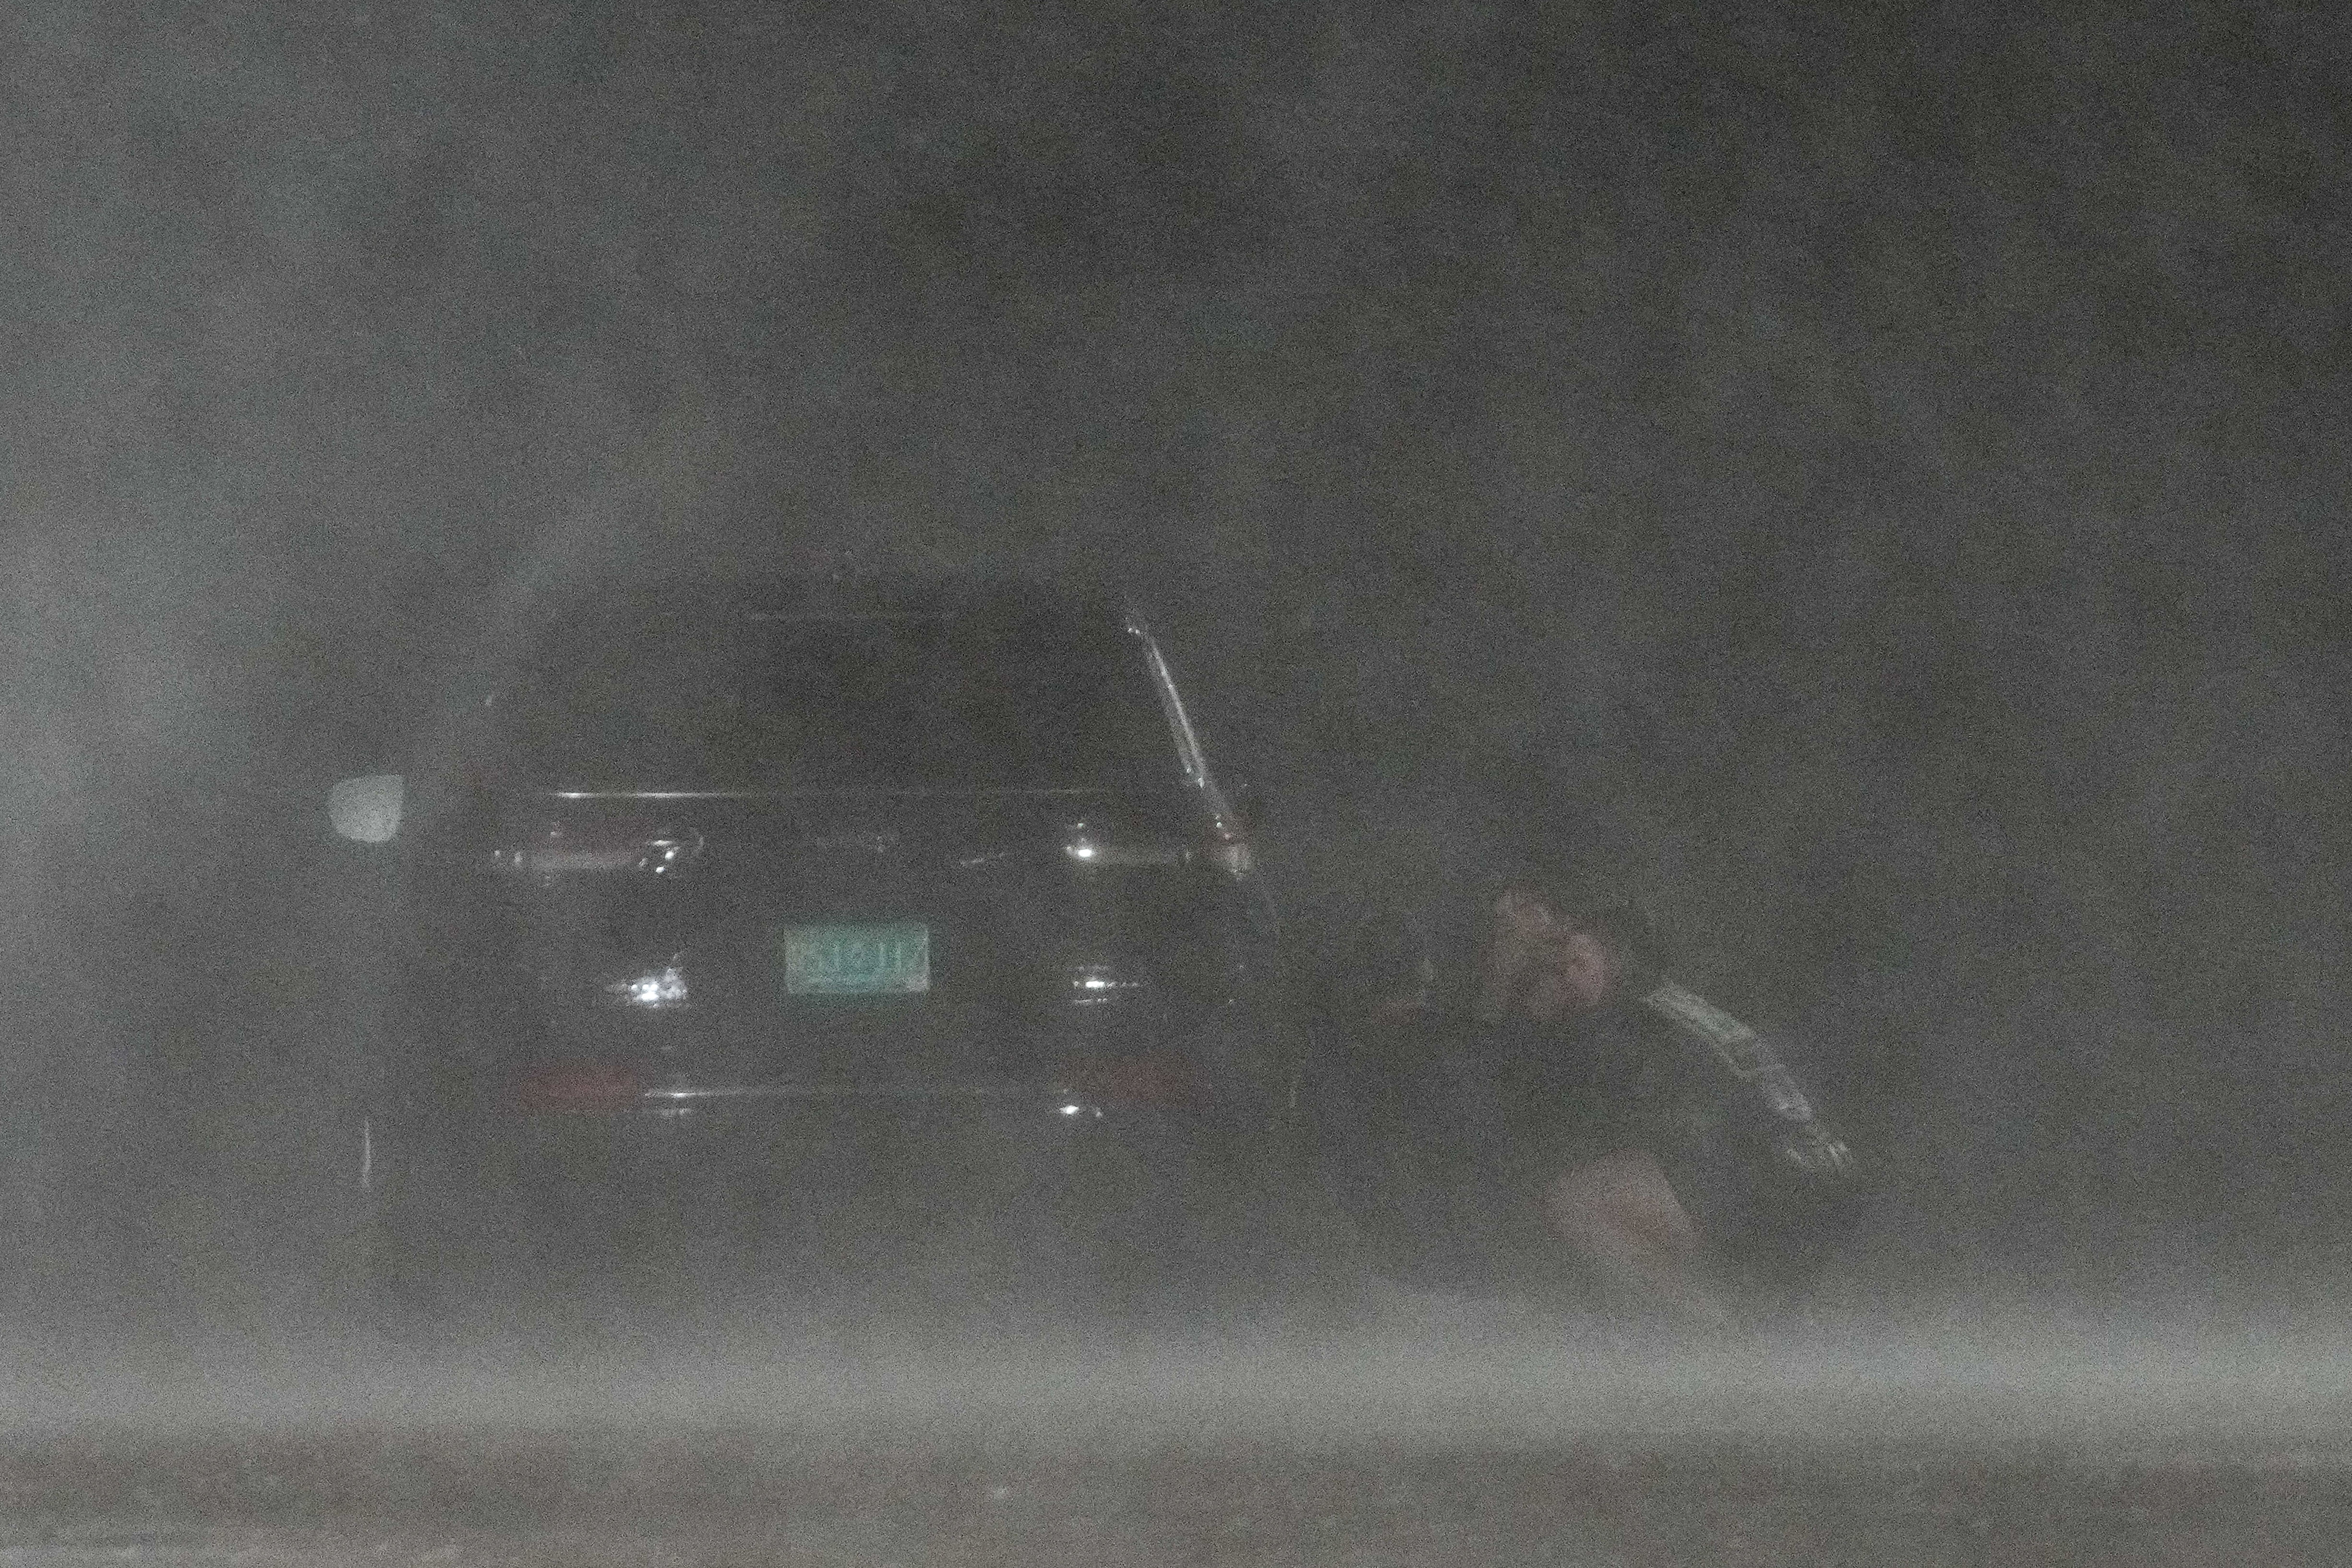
(826, 913)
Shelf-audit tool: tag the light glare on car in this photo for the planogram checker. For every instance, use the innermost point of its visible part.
(662, 987)
(1093, 983)
(1091, 847)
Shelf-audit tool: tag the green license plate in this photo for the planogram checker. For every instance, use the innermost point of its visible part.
(857, 960)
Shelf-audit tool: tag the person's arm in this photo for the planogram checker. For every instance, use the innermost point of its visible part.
(1750, 1059)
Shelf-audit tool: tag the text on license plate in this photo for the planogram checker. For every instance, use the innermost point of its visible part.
(857, 960)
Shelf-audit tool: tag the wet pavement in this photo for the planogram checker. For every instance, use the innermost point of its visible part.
(741, 1497)
(1436, 1434)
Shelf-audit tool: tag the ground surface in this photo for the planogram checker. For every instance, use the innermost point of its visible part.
(1431, 1437)
(739, 1497)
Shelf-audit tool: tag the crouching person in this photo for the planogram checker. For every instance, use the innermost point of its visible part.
(1655, 1139)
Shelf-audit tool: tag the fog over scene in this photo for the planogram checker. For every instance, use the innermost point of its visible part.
(1868, 484)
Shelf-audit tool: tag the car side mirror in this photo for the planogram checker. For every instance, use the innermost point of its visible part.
(366, 810)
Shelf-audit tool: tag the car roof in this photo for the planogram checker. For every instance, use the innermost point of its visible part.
(831, 595)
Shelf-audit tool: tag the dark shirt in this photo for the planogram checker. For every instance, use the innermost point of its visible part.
(1585, 1062)
(1513, 1105)
(1570, 1090)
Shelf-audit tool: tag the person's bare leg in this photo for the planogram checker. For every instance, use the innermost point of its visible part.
(1619, 1212)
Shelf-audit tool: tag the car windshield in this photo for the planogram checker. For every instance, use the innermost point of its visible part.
(682, 698)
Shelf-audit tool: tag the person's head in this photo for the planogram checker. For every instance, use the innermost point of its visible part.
(1549, 956)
